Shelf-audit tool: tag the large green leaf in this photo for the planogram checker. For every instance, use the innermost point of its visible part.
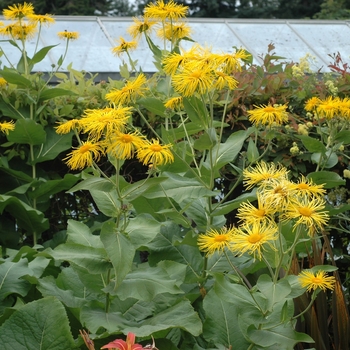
(120, 252)
(53, 92)
(135, 190)
(312, 145)
(13, 77)
(41, 324)
(227, 152)
(79, 233)
(179, 188)
(41, 54)
(52, 147)
(329, 179)
(221, 323)
(29, 219)
(107, 202)
(180, 315)
(27, 131)
(145, 282)
(90, 258)
(154, 105)
(10, 278)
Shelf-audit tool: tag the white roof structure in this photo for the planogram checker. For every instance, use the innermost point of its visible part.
(293, 39)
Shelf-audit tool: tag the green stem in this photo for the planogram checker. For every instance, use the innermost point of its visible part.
(108, 300)
(313, 298)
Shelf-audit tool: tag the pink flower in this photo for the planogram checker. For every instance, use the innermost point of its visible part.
(120, 344)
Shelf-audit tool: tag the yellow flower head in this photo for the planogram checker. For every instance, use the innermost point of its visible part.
(313, 281)
(328, 108)
(252, 238)
(262, 173)
(18, 11)
(174, 31)
(5, 127)
(248, 213)
(223, 80)
(162, 11)
(193, 79)
(155, 153)
(140, 26)
(175, 103)
(106, 121)
(215, 240)
(311, 104)
(19, 30)
(68, 35)
(308, 212)
(42, 19)
(68, 126)
(268, 115)
(307, 187)
(84, 155)
(3, 82)
(231, 62)
(344, 107)
(124, 46)
(129, 92)
(125, 145)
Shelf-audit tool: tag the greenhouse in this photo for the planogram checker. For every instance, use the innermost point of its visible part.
(293, 39)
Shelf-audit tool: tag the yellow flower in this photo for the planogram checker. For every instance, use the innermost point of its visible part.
(68, 35)
(20, 31)
(172, 62)
(276, 193)
(328, 108)
(42, 19)
(193, 79)
(307, 187)
(141, 25)
(5, 127)
(248, 213)
(230, 62)
(155, 154)
(175, 103)
(307, 211)
(84, 155)
(312, 103)
(268, 115)
(215, 240)
(18, 11)
(106, 121)
(162, 11)
(124, 46)
(252, 238)
(344, 107)
(174, 31)
(129, 92)
(124, 145)
(222, 80)
(3, 82)
(68, 126)
(262, 173)
(314, 281)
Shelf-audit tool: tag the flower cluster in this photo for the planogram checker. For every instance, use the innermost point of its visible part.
(330, 108)
(279, 200)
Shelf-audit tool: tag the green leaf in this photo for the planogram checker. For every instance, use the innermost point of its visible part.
(196, 111)
(179, 188)
(326, 160)
(40, 55)
(93, 183)
(35, 326)
(329, 179)
(154, 105)
(10, 278)
(180, 315)
(120, 252)
(225, 153)
(29, 219)
(52, 147)
(135, 190)
(252, 151)
(221, 323)
(54, 92)
(107, 202)
(312, 145)
(146, 282)
(79, 233)
(343, 137)
(282, 336)
(14, 77)
(90, 258)
(27, 131)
